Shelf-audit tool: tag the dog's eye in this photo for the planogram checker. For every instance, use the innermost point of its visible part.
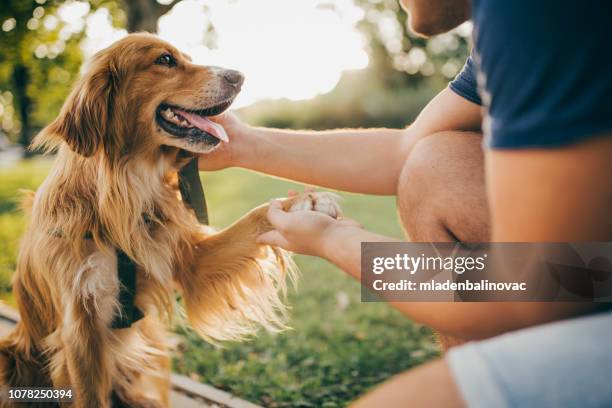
(166, 60)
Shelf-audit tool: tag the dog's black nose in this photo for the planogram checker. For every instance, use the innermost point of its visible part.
(234, 78)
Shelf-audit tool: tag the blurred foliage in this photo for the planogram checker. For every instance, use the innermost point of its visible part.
(403, 58)
(404, 73)
(30, 42)
(13, 183)
(361, 99)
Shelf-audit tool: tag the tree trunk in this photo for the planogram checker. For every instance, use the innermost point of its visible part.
(142, 15)
(21, 78)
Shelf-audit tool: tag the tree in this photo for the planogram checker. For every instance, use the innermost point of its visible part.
(36, 55)
(142, 15)
(15, 17)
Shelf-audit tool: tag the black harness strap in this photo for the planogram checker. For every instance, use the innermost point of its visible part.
(192, 193)
(129, 313)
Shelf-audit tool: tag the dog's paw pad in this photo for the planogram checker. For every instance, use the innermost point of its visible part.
(323, 202)
(327, 203)
(302, 204)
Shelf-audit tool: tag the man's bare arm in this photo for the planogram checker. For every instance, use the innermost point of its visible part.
(363, 161)
(552, 195)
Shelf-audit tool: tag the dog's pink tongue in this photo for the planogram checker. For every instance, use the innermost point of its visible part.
(205, 124)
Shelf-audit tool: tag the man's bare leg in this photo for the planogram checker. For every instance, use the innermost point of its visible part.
(441, 194)
(430, 385)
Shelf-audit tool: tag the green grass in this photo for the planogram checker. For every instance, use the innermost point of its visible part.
(25, 176)
(337, 348)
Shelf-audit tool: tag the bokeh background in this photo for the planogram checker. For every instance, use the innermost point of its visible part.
(314, 64)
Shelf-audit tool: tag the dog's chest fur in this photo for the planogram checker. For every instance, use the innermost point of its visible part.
(85, 283)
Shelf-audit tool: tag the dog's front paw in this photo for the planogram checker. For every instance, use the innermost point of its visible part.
(323, 202)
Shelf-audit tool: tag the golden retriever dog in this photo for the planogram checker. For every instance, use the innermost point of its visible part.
(138, 114)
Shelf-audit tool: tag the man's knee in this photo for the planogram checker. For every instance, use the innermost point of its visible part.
(424, 166)
(440, 173)
(434, 158)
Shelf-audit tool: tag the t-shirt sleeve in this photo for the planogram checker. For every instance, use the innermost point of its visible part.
(544, 71)
(464, 83)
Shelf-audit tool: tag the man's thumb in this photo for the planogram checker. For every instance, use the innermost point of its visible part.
(276, 215)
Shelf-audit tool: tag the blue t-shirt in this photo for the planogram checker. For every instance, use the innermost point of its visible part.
(464, 83)
(543, 69)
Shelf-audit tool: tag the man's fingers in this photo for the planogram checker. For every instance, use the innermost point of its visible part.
(292, 193)
(273, 238)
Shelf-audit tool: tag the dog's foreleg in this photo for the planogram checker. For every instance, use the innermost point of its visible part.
(87, 358)
(86, 334)
(235, 285)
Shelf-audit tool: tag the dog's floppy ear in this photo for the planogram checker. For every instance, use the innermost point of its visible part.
(84, 119)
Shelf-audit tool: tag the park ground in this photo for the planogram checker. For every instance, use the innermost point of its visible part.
(337, 347)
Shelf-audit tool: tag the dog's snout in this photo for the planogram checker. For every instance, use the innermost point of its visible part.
(234, 78)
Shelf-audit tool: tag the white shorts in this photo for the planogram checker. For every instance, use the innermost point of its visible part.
(561, 364)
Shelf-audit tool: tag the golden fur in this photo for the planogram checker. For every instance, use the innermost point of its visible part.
(115, 176)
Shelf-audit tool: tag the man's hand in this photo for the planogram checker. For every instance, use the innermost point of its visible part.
(306, 232)
(228, 154)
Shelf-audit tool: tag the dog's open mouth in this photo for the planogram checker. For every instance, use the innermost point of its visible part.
(193, 126)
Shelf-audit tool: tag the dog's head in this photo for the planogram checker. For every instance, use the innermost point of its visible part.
(141, 93)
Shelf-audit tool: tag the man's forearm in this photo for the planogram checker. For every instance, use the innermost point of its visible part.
(342, 247)
(364, 161)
